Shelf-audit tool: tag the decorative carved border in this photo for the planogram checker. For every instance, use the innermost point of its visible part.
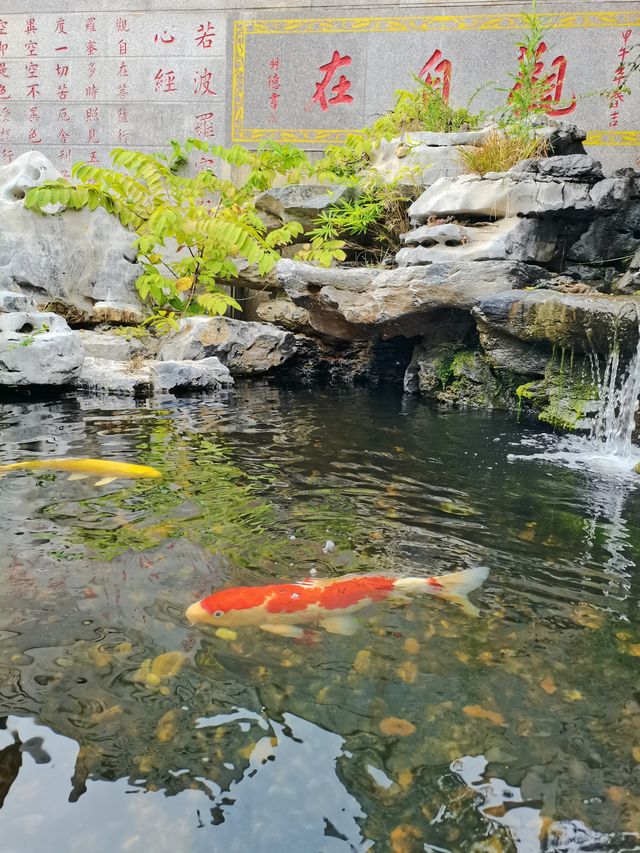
(309, 26)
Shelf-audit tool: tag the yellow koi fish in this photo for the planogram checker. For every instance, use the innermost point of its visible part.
(329, 603)
(81, 469)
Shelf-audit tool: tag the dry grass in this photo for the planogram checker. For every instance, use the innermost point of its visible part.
(499, 152)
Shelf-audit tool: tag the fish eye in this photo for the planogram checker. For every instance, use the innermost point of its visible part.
(219, 613)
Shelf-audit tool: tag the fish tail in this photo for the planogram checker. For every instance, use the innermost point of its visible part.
(13, 466)
(454, 587)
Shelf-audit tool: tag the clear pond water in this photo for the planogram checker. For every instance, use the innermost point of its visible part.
(123, 728)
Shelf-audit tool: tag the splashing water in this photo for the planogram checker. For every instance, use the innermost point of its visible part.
(618, 390)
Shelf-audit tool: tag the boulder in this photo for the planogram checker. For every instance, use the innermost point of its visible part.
(569, 167)
(630, 281)
(38, 349)
(420, 158)
(369, 302)
(104, 376)
(609, 237)
(530, 240)
(506, 353)
(502, 196)
(576, 322)
(246, 348)
(106, 345)
(80, 261)
(302, 203)
(611, 194)
(207, 373)
(283, 313)
(11, 300)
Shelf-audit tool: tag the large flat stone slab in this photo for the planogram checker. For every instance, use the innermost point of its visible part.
(38, 348)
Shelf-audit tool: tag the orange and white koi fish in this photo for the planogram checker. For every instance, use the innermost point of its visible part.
(81, 469)
(284, 608)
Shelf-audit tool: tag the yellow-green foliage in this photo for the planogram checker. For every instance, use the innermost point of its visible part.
(499, 151)
(190, 231)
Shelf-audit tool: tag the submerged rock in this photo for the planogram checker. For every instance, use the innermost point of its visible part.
(369, 302)
(246, 348)
(80, 261)
(38, 348)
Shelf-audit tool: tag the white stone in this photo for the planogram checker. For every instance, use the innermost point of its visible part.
(111, 346)
(207, 373)
(82, 261)
(471, 195)
(245, 347)
(38, 349)
(103, 376)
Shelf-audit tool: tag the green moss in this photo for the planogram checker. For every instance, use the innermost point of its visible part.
(129, 332)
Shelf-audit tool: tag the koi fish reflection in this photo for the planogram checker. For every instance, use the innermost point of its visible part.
(330, 603)
(82, 469)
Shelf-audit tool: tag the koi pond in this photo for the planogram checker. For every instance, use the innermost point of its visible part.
(123, 728)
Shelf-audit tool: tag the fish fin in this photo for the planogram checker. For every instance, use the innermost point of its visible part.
(346, 625)
(455, 587)
(105, 481)
(282, 630)
(78, 476)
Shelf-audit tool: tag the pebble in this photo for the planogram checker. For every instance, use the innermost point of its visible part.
(329, 546)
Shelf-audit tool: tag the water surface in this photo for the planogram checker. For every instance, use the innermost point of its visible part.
(123, 728)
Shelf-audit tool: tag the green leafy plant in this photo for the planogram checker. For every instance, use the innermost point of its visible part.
(190, 232)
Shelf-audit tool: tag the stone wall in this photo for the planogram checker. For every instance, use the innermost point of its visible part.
(76, 84)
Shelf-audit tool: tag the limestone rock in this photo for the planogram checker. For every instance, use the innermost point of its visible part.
(420, 158)
(246, 348)
(38, 349)
(283, 313)
(532, 240)
(363, 303)
(11, 300)
(630, 281)
(103, 376)
(106, 345)
(609, 237)
(471, 195)
(74, 259)
(207, 373)
(506, 353)
(577, 322)
(611, 194)
(302, 202)
(460, 377)
(570, 167)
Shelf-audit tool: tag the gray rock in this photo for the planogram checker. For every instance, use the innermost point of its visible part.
(609, 237)
(570, 167)
(302, 202)
(630, 281)
(82, 262)
(504, 352)
(611, 194)
(105, 345)
(576, 322)
(363, 303)
(11, 300)
(38, 349)
(283, 313)
(207, 373)
(246, 348)
(471, 195)
(531, 240)
(103, 376)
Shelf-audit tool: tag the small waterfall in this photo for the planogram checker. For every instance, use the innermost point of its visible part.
(619, 393)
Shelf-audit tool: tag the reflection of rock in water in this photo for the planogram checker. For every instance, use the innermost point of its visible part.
(10, 764)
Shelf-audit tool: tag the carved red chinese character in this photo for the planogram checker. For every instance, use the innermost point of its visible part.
(92, 47)
(91, 92)
(60, 30)
(122, 25)
(93, 69)
(30, 26)
(31, 47)
(91, 114)
(165, 81)
(3, 70)
(5, 114)
(441, 77)
(123, 70)
(63, 135)
(552, 84)
(33, 91)
(122, 114)
(5, 134)
(202, 83)
(90, 25)
(3, 48)
(4, 95)
(341, 87)
(62, 70)
(3, 28)
(63, 114)
(93, 157)
(203, 126)
(62, 92)
(205, 35)
(92, 136)
(7, 155)
(123, 136)
(123, 91)
(32, 70)
(122, 48)
(34, 114)
(34, 137)
(165, 38)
